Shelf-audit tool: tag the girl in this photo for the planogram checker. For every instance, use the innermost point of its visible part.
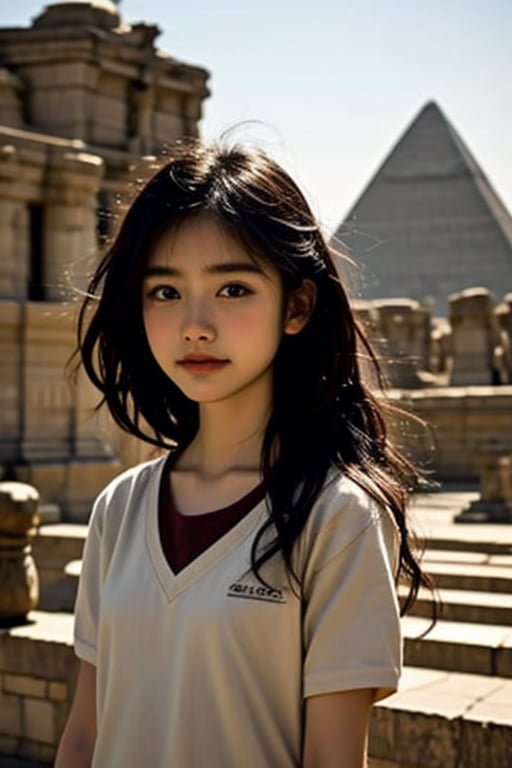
(237, 604)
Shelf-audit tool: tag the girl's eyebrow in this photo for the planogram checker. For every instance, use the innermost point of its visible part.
(214, 269)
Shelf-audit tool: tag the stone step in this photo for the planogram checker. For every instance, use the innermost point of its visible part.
(466, 558)
(432, 517)
(441, 719)
(483, 649)
(463, 605)
(54, 546)
(49, 514)
(59, 542)
(470, 576)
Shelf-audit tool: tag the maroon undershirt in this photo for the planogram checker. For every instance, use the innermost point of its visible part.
(185, 537)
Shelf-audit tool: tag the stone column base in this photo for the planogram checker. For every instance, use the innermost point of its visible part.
(486, 512)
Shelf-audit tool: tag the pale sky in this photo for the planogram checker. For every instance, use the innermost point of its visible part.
(331, 84)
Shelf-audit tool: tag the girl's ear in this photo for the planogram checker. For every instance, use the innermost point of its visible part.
(300, 305)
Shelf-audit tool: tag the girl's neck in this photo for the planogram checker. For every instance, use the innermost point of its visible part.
(229, 438)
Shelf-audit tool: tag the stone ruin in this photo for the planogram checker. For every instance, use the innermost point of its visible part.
(471, 347)
(83, 95)
(455, 374)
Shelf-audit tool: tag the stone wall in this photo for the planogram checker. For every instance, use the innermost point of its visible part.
(38, 671)
(459, 421)
(472, 346)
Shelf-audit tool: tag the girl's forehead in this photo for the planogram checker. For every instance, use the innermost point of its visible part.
(200, 242)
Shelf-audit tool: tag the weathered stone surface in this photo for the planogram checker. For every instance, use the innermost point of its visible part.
(382, 734)
(96, 101)
(429, 223)
(460, 420)
(426, 741)
(38, 721)
(19, 582)
(485, 746)
(473, 338)
(403, 331)
(23, 685)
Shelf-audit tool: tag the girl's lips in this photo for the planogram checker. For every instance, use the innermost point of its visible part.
(201, 364)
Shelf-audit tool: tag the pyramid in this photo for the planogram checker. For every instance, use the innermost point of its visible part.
(429, 223)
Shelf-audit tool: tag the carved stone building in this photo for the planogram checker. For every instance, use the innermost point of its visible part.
(82, 96)
(429, 222)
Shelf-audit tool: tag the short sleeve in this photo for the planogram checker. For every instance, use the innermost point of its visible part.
(87, 605)
(351, 615)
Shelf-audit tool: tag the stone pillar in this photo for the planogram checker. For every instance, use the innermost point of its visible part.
(440, 343)
(474, 335)
(404, 327)
(19, 584)
(140, 117)
(47, 399)
(11, 89)
(65, 452)
(72, 184)
(21, 168)
(495, 503)
(11, 389)
(503, 314)
(14, 243)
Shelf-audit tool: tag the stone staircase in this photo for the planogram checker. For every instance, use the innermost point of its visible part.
(454, 707)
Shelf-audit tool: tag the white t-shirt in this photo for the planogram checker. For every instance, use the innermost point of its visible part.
(210, 668)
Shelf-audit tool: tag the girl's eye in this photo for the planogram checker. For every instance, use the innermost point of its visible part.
(234, 291)
(163, 293)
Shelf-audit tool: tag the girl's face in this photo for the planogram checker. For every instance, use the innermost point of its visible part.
(213, 316)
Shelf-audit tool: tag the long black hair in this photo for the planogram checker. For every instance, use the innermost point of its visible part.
(323, 412)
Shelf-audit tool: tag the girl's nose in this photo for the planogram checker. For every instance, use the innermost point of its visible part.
(197, 326)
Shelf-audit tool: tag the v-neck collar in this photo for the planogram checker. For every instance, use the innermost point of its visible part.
(175, 583)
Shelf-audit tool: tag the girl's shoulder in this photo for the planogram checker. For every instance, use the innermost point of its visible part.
(128, 487)
(342, 513)
(140, 473)
(343, 500)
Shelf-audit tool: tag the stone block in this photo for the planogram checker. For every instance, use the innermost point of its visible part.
(461, 657)
(58, 691)
(382, 733)
(485, 745)
(8, 745)
(37, 751)
(52, 660)
(10, 715)
(38, 720)
(504, 660)
(427, 741)
(24, 685)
